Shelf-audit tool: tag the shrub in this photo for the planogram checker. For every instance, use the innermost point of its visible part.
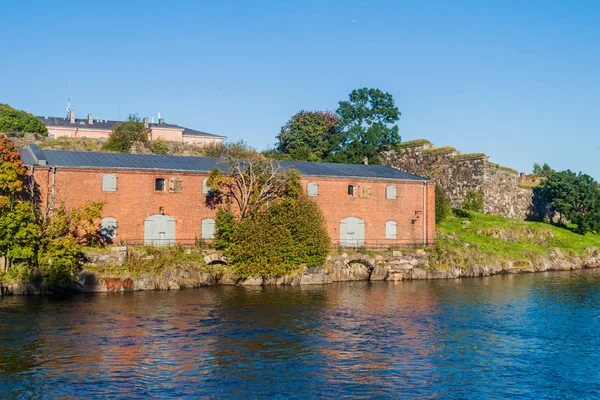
(275, 238)
(13, 120)
(462, 213)
(442, 205)
(124, 134)
(473, 201)
(159, 147)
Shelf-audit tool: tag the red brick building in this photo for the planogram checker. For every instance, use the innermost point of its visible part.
(158, 199)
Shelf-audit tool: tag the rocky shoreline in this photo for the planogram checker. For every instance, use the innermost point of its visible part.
(395, 266)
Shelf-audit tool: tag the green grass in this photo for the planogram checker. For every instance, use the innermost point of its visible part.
(439, 150)
(413, 143)
(73, 144)
(487, 238)
(469, 156)
(503, 168)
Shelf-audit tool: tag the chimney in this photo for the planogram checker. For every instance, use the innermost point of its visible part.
(90, 119)
(72, 116)
(161, 121)
(145, 122)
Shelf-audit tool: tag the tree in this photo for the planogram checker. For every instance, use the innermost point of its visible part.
(310, 136)
(276, 237)
(442, 205)
(36, 241)
(124, 134)
(367, 120)
(248, 184)
(543, 171)
(473, 201)
(575, 197)
(12, 120)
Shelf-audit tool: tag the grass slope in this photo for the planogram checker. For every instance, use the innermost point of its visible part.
(486, 238)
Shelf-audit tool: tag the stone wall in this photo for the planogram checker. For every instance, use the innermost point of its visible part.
(460, 173)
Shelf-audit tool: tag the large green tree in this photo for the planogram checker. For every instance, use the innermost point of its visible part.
(575, 197)
(13, 120)
(124, 134)
(310, 136)
(368, 121)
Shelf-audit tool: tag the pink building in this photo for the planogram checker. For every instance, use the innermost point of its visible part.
(100, 129)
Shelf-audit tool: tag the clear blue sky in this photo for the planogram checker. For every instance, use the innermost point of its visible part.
(517, 80)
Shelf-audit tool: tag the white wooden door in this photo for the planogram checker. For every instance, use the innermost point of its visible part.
(159, 230)
(352, 232)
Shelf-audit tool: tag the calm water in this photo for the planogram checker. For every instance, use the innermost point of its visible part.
(529, 336)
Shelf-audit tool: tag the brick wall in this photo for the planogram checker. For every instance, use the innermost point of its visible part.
(135, 200)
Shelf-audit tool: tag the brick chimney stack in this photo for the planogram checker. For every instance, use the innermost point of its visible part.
(72, 116)
(90, 119)
(146, 123)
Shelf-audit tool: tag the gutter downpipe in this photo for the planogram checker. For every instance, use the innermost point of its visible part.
(52, 193)
(425, 213)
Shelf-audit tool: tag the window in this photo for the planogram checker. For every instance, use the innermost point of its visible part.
(312, 189)
(108, 228)
(205, 188)
(176, 185)
(351, 190)
(390, 192)
(365, 191)
(109, 183)
(159, 184)
(208, 228)
(390, 230)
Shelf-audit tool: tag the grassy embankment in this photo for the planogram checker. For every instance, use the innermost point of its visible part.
(485, 238)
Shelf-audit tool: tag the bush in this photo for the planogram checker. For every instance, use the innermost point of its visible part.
(462, 213)
(277, 239)
(442, 205)
(473, 201)
(13, 120)
(124, 134)
(159, 147)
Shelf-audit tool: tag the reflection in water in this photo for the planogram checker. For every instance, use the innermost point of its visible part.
(526, 336)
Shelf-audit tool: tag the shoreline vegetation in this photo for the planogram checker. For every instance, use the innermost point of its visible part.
(468, 246)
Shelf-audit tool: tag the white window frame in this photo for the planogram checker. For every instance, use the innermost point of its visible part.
(107, 179)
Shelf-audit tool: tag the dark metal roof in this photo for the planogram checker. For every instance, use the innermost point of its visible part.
(82, 123)
(32, 156)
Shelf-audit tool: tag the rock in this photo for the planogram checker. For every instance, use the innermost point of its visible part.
(418, 273)
(314, 279)
(379, 273)
(421, 251)
(396, 253)
(345, 255)
(592, 251)
(379, 257)
(397, 276)
(119, 248)
(227, 277)
(252, 281)
(437, 274)
(414, 262)
(466, 222)
(555, 252)
(405, 266)
(144, 282)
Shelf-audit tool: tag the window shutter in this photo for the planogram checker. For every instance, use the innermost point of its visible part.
(205, 188)
(208, 228)
(390, 192)
(109, 183)
(176, 185)
(312, 189)
(108, 228)
(365, 191)
(390, 230)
